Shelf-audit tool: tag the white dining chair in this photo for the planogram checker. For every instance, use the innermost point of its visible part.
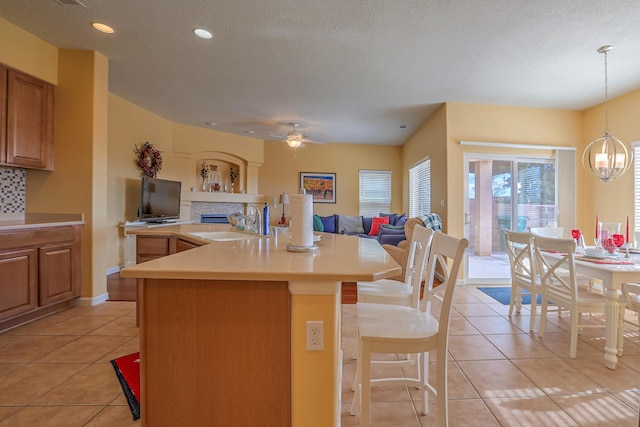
(559, 284)
(631, 299)
(393, 329)
(389, 291)
(556, 232)
(523, 276)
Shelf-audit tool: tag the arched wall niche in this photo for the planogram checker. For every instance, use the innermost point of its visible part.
(219, 166)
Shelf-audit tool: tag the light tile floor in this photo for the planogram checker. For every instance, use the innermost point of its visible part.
(56, 372)
(499, 375)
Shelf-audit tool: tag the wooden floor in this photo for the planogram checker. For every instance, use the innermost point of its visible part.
(121, 289)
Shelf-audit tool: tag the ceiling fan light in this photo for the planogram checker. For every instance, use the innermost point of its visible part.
(294, 143)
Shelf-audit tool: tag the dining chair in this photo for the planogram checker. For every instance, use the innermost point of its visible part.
(389, 291)
(393, 329)
(556, 232)
(559, 284)
(523, 277)
(631, 298)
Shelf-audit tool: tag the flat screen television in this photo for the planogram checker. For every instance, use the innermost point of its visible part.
(160, 200)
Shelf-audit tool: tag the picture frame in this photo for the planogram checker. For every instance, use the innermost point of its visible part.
(321, 186)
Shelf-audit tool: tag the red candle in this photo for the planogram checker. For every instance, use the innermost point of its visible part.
(597, 227)
(627, 228)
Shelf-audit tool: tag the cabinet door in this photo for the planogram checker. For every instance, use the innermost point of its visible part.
(3, 114)
(183, 245)
(18, 282)
(29, 122)
(59, 273)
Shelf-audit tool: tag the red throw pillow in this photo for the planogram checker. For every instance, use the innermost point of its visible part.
(375, 224)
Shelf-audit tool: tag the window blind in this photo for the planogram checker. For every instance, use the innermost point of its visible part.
(375, 192)
(636, 188)
(420, 189)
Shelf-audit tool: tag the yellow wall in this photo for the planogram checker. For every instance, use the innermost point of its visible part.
(429, 141)
(26, 52)
(614, 200)
(280, 172)
(491, 123)
(78, 183)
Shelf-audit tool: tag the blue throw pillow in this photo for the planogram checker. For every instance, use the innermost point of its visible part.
(317, 223)
(366, 224)
(392, 217)
(401, 220)
(329, 223)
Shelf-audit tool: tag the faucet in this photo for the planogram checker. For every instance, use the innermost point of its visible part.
(254, 220)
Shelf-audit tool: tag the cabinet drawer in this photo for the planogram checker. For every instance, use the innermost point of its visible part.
(158, 246)
(39, 236)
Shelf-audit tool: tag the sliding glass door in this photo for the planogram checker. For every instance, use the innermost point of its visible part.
(504, 193)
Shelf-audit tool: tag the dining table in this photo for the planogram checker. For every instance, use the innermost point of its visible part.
(613, 272)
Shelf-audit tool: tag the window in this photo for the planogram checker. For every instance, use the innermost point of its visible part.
(636, 187)
(420, 188)
(375, 192)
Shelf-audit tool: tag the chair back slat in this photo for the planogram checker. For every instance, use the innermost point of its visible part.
(557, 276)
(446, 252)
(521, 258)
(418, 253)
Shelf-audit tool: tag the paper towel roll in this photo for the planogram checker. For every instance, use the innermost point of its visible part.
(302, 219)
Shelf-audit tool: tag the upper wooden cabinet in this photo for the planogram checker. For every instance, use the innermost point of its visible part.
(26, 120)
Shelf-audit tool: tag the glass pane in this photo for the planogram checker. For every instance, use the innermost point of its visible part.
(537, 193)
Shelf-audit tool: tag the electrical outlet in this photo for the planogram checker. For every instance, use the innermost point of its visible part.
(315, 335)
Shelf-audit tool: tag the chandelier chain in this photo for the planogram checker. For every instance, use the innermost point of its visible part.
(606, 96)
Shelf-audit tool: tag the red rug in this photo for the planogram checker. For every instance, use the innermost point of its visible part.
(128, 371)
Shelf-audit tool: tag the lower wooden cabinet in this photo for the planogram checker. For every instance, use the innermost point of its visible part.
(18, 281)
(184, 245)
(154, 247)
(59, 273)
(40, 272)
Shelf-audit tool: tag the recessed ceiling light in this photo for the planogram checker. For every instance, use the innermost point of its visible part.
(250, 132)
(203, 34)
(210, 123)
(102, 27)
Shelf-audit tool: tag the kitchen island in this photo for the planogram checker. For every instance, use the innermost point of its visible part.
(223, 328)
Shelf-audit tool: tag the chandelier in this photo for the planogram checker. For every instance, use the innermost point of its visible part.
(607, 157)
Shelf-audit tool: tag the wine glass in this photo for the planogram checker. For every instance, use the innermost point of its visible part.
(578, 239)
(618, 239)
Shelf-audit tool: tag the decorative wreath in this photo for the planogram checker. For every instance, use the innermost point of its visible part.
(149, 159)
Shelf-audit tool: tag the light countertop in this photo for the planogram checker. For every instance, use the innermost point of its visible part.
(338, 258)
(35, 220)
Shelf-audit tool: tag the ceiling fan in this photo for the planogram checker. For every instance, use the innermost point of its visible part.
(295, 138)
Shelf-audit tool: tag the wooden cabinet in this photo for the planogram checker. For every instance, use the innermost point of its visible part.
(26, 120)
(59, 273)
(153, 247)
(40, 272)
(184, 245)
(18, 281)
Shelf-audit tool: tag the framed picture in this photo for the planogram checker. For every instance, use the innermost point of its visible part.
(322, 186)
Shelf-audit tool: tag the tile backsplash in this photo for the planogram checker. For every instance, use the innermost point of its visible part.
(13, 190)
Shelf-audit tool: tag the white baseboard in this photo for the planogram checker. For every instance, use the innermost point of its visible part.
(88, 302)
(113, 270)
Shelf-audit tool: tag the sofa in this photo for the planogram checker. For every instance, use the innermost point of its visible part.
(400, 251)
(365, 227)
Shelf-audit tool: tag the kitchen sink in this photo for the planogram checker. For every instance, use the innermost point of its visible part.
(224, 236)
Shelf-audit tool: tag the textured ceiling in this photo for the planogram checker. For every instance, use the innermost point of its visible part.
(349, 71)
